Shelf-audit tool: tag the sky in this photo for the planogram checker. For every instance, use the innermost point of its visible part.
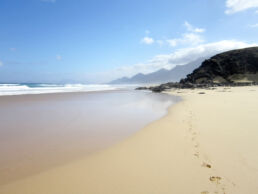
(96, 41)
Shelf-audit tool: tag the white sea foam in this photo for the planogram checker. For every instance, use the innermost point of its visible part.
(19, 89)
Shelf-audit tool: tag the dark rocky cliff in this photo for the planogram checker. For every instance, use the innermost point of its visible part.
(233, 66)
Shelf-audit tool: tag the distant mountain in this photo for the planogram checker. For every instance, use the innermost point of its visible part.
(239, 65)
(162, 75)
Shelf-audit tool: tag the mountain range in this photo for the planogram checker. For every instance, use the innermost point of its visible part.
(162, 75)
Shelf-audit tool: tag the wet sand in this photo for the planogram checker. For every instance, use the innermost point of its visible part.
(207, 144)
(39, 132)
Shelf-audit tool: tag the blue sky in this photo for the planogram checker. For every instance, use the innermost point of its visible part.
(99, 40)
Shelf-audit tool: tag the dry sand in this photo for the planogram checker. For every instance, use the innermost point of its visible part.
(208, 143)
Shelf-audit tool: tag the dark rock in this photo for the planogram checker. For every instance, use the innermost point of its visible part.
(225, 69)
(142, 88)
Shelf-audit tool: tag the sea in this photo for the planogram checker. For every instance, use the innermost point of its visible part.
(41, 132)
(42, 88)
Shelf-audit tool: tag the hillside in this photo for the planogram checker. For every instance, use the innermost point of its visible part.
(229, 67)
(233, 68)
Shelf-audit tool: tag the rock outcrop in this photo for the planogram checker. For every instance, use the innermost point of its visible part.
(232, 68)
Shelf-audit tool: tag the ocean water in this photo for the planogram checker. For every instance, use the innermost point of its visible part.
(19, 89)
(40, 132)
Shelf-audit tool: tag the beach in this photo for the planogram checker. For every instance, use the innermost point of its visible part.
(42, 131)
(207, 143)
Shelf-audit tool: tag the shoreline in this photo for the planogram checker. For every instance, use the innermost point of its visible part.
(64, 93)
(205, 144)
(51, 130)
(40, 88)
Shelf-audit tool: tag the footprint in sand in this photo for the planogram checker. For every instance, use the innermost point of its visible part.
(194, 133)
(215, 179)
(196, 154)
(204, 164)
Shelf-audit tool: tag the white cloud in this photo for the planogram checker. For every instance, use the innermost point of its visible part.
(192, 37)
(234, 6)
(59, 57)
(193, 29)
(254, 26)
(187, 39)
(1, 63)
(173, 42)
(178, 57)
(147, 40)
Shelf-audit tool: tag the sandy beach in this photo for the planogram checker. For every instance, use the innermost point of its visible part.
(40, 132)
(207, 143)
